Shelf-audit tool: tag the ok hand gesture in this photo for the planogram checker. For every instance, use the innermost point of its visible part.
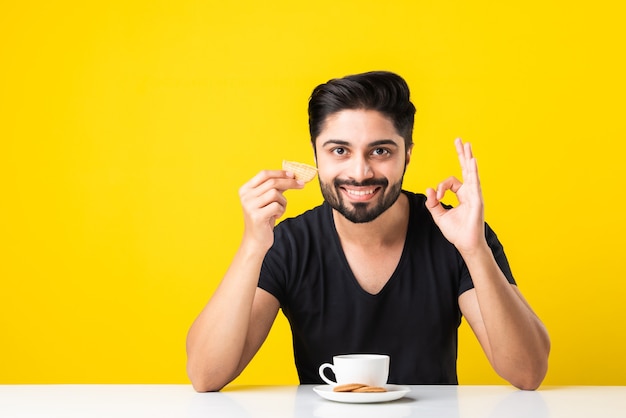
(463, 225)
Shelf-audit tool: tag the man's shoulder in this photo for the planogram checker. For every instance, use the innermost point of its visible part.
(415, 197)
(315, 217)
(417, 203)
(420, 218)
(301, 233)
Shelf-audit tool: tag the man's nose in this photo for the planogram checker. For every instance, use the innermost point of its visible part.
(361, 169)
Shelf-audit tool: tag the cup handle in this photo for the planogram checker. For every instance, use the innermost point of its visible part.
(323, 376)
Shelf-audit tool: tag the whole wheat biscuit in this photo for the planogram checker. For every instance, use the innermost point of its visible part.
(301, 171)
(370, 389)
(348, 387)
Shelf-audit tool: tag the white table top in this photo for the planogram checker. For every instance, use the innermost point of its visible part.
(300, 401)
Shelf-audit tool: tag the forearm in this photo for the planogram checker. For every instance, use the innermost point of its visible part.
(217, 338)
(516, 342)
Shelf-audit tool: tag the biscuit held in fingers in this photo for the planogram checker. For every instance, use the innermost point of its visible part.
(302, 171)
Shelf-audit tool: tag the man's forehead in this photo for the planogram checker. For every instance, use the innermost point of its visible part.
(347, 122)
(359, 112)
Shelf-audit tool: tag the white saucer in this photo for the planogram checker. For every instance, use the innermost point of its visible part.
(393, 392)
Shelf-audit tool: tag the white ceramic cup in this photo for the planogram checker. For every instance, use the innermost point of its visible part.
(368, 369)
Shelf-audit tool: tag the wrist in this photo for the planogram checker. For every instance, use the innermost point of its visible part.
(477, 250)
(252, 248)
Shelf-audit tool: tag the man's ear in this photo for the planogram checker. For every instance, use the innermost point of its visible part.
(408, 155)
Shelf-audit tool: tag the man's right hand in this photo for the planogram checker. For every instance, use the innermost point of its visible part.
(236, 320)
(263, 203)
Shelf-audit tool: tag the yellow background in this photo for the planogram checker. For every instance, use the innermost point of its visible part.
(127, 128)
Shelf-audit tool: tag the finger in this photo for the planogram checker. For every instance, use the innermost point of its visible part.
(268, 179)
(467, 147)
(451, 183)
(464, 153)
(272, 211)
(271, 205)
(433, 204)
(460, 152)
(270, 197)
(467, 160)
(266, 175)
(472, 172)
(253, 202)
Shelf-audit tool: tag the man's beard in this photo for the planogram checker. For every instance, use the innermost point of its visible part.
(358, 212)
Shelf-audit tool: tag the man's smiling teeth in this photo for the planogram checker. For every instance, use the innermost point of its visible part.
(360, 192)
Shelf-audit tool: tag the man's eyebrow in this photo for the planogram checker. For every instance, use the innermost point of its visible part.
(371, 144)
(335, 142)
(384, 142)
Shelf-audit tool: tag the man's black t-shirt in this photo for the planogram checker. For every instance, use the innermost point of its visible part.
(414, 318)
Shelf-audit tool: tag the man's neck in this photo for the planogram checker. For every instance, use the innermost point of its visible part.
(389, 228)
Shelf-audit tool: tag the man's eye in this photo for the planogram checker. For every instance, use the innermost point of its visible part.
(339, 151)
(380, 151)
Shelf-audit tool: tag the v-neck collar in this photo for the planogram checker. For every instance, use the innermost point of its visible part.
(344, 260)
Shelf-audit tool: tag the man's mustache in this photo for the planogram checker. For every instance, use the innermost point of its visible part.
(365, 183)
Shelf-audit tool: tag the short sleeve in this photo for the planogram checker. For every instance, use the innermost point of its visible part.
(499, 255)
(273, 277)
